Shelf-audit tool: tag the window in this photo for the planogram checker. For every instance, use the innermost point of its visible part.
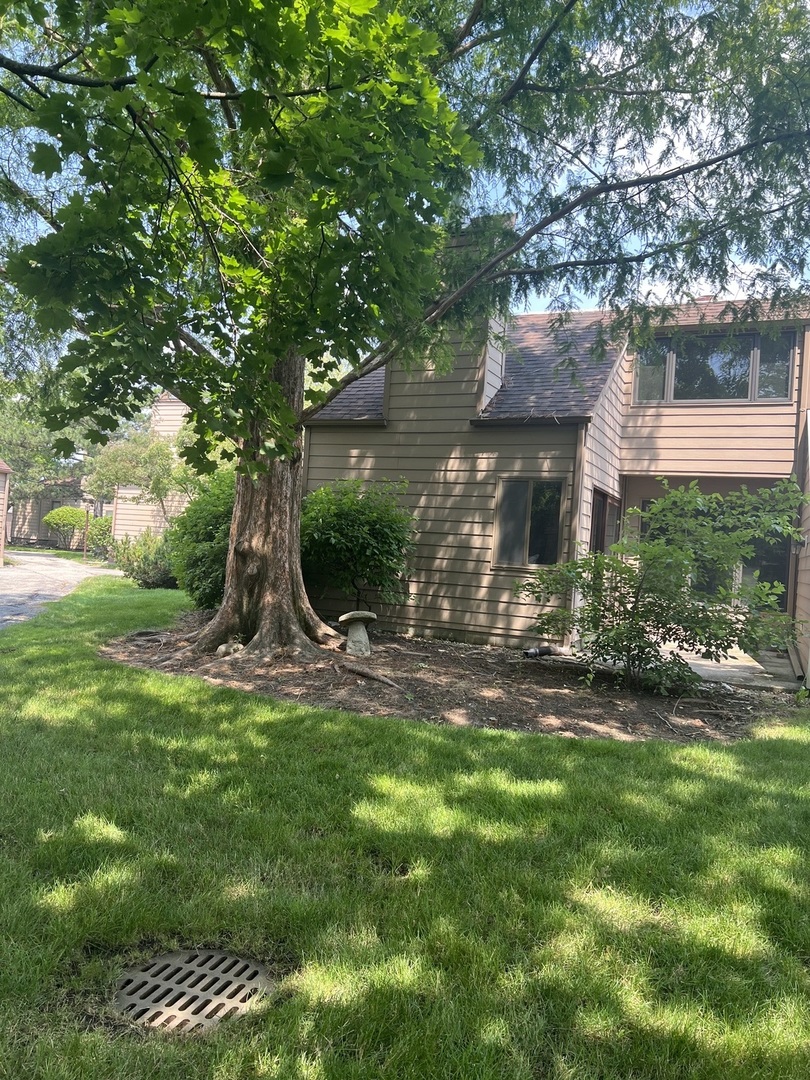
(528, 522)
(716, 367)
(605, 517)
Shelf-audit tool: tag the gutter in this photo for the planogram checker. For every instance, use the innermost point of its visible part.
(531, 421)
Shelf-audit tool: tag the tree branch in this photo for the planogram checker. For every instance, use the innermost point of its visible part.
(532, 58)
(473, 43)
(29, 201)
(14, 97)
(226, 90)
(466, 28)
(486, 273)
(54, 72)
(589, 194)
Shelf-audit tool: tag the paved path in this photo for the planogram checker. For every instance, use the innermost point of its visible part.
(35, 579)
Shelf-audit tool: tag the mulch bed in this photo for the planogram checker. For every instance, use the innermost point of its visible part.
(443, 682)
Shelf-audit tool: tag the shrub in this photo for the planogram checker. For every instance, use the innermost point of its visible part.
(198, 540)
(357, 537)
(674, 582)
(145, 560)
(64, 521)
(99, 537)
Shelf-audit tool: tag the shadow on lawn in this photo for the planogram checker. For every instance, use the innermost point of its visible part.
(441, 902)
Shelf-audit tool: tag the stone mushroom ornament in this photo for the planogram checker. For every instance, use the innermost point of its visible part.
(357, 643)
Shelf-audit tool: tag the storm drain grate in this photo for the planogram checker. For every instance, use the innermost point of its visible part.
(190, 991)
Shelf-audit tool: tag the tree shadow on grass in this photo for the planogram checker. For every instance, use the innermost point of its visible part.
(434, 902)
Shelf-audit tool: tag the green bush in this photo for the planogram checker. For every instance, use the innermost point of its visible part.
(356, 538)
(99, 537)
(145, 560)
(198, 540)
(673, 582)
(64, 521)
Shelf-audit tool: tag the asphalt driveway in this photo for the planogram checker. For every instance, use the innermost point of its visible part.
(35, 579)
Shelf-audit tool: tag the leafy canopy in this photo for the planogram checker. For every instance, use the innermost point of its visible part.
(231, 184)
(196, 194)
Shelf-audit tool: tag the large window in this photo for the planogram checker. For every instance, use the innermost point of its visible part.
(528, 522)
(716, 367)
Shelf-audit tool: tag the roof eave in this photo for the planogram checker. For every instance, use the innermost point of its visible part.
(365, 421)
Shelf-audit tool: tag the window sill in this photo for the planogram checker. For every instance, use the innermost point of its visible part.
(712, 403)
(521, 568)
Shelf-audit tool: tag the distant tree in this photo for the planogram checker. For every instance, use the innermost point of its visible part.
(27, 445)
(143, 460)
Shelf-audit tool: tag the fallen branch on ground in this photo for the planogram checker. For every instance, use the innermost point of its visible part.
(367, 673)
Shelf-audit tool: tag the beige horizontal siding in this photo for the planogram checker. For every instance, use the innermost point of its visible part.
(452, 469)
(131, 518)
(602, 452)
(735, 438)
(167, 416)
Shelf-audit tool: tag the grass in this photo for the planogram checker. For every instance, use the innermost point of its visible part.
(434, 902)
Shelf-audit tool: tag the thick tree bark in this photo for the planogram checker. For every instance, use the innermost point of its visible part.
(265, 604)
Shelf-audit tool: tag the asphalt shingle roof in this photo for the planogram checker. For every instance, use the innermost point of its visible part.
(361, 400)
(551, 374)
(538, 385)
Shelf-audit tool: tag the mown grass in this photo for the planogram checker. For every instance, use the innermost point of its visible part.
(433, 902)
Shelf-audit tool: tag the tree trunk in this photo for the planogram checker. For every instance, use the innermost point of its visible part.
(265, 604)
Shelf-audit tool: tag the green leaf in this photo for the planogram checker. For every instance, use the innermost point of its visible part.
(64, 447)
(45, 159)
(129, 15)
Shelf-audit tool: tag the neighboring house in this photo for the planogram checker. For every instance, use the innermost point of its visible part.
(24, 524)
(512, 463)
(131, 515)
(5, 473)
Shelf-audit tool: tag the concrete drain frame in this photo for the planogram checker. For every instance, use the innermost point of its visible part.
(190, 991)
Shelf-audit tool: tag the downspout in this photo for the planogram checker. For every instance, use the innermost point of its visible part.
(576, 494)
(576, 503)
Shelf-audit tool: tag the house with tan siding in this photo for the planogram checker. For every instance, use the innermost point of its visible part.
(131, 514)
(531, 450)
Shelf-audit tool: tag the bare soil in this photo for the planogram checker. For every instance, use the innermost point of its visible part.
(443, 682)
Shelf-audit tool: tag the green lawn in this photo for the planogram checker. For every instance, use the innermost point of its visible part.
(434, 902)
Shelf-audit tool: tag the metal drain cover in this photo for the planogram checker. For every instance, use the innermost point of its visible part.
(190, 991)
